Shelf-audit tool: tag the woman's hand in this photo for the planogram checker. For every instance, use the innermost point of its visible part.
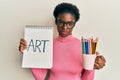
(99, 61)
(23, 45)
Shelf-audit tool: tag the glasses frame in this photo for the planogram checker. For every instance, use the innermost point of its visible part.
(69, 24)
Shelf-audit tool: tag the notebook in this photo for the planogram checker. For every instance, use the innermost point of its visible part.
(39, 53)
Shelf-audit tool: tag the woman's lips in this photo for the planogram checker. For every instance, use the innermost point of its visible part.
(64, 32)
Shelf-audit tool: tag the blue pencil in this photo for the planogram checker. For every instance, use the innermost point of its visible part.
(86, 47)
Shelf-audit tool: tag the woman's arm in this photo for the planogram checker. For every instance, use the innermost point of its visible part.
(87, 74)
(39, 74)
(99, 63)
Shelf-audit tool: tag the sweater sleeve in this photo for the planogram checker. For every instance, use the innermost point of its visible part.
(38, 73)
(87, 74)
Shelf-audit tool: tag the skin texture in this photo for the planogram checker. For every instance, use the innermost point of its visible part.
(99, 62)
(64, 31)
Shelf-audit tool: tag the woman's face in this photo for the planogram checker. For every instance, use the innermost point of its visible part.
(65, 23)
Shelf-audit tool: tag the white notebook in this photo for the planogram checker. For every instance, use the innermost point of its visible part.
(39, 53)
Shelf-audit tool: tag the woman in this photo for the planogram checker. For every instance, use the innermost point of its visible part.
(67, 57)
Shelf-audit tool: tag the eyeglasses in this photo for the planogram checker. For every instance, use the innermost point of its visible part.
(69, 24)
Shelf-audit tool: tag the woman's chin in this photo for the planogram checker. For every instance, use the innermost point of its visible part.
(64, 35)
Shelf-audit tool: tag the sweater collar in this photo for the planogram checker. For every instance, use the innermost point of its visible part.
(62, 39)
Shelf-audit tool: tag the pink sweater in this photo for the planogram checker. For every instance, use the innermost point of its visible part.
(67, 62)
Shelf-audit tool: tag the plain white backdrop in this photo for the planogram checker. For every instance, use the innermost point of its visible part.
(99, 18)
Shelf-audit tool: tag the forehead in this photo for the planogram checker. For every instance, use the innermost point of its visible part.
(66, 17)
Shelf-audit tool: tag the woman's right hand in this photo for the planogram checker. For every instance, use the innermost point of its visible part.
(23, 45)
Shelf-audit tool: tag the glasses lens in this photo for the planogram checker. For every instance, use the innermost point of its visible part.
(60, 23)
(69, 24)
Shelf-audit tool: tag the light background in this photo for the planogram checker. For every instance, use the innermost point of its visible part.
(99, 18)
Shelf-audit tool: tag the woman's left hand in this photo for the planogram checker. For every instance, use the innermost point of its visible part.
(99, 61)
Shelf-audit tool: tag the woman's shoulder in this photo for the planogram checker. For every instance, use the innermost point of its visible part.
(77, 39)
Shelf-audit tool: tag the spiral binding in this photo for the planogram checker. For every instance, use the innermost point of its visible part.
(38, 27)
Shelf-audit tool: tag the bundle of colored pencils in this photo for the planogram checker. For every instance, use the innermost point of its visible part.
(89, 45)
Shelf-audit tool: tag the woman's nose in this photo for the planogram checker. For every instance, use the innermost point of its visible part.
(64, 26)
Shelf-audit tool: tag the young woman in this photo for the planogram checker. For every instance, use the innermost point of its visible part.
(67, 53)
